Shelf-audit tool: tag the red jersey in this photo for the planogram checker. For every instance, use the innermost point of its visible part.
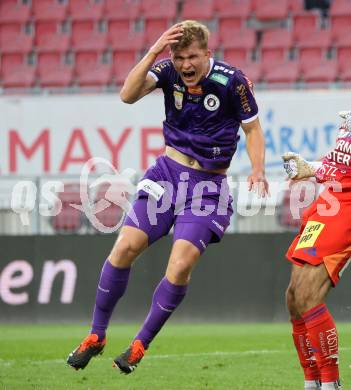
(336, 165)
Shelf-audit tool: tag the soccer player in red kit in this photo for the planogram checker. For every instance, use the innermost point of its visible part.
(320, 253)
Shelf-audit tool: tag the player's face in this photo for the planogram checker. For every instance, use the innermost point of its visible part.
(192, 63)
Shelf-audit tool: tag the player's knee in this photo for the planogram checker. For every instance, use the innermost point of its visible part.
(290, 299)
(179, 270)
(123, 253)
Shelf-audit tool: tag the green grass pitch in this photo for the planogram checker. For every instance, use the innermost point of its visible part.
(183, 356)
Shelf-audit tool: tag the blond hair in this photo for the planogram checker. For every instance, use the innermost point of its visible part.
(192, 31)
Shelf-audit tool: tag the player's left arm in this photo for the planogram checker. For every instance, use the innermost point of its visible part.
(255, 146)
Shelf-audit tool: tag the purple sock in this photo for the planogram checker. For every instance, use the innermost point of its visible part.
(166, 298)
(112, 285)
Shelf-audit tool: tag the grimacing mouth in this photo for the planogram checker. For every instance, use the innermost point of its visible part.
(188, 74)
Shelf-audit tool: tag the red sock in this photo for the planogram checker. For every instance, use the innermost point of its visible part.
(304, 351)
(323, 336)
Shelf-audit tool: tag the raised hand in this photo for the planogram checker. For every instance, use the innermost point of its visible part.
(170, 36)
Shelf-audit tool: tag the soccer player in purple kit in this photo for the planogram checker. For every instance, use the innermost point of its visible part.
(205, 103)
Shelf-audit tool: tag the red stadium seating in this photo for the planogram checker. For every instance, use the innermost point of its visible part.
(69, 220)
(122, 9)
(49, 10)
(340, 25)
(325, 71)
(239, 39)
(233, 56)
(99, 75)
(13, 11)
(154, 28)
(85, 37)
(271, 9)
(275, 47)
(311, 57)
(233, 8)
(110, 216)
(53, 72)
(85, 10)
(343, 56)
(285, 73)
(159, 9)
(91, 71)
(228, 26)
(277, 39)
(213, 42)
(252, 70)
(315, 39)
(340, 7)
(131, 40)
(48, 37)
(16, 42)
(296, 6)
(123, 63)
(22, 76)
(198, 9)
(305, 23)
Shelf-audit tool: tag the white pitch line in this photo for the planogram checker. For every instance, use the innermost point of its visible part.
(9, 363)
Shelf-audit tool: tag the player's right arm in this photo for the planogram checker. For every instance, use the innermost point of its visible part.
(138, 83)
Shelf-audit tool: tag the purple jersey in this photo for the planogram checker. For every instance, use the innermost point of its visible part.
(203, 121)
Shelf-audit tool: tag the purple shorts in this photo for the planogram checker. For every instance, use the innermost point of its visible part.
(197, 203)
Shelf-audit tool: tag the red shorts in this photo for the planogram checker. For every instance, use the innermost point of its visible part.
(325, 238)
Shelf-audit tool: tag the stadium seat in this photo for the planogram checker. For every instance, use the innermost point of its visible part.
(198, 9)
(340, 25)
(228, 26)
(91, 71)
(16, 42)
(273, 56)
(69, 220)
(324, 72)
(343, 40)
(122, 65)
(305, 23)
(271, 9)
(22, 76)
(345, 74)
(86, 37)
(240, 39)
(296, 6)
(53, 72)
(159, 9)
(110, 216)
(315, 39)
(343, 56)
(340, 7)
(49, 10)
(310, 57)
(233, 8)
(154, 28)
(233, 56)
(48, 37)
(213, 42)
(285, 73)
(99, 75)
(277, 39)
(131, 40)
(13, 11)
(126, 10)
(253, 70)
(80, 10)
